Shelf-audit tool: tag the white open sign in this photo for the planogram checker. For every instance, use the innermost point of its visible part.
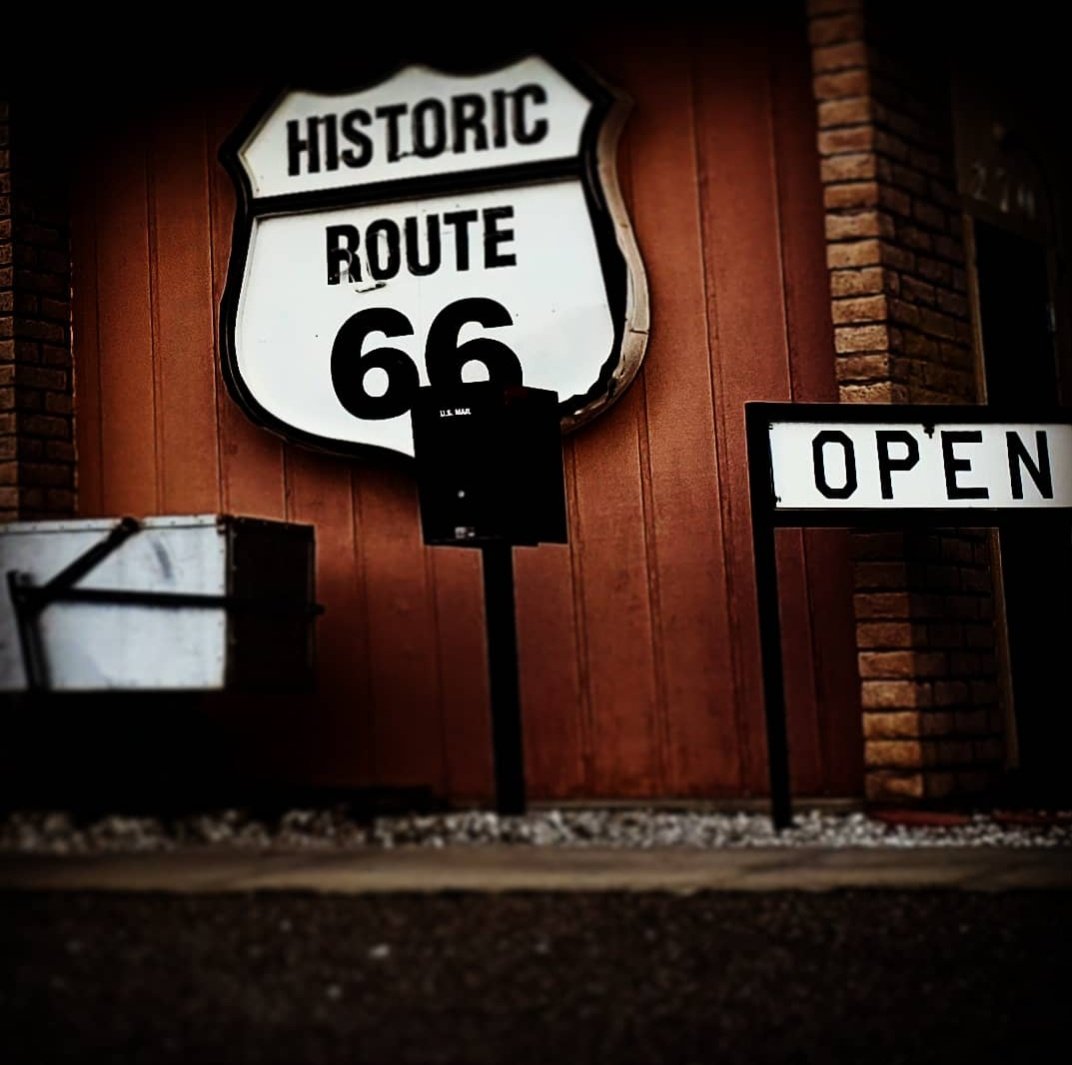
(832, 465)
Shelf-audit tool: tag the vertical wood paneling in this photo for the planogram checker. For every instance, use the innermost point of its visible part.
(692, 642)
(609, 540)
(553, 700)
(251, 459)
(637, 641)
(124, 326)
(185, 341)
(404, 664)
(459, 619)
(338, 722)
(743, 270)
(825, 580)
(86, 346)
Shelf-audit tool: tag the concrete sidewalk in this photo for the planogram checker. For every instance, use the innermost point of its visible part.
(536, 869)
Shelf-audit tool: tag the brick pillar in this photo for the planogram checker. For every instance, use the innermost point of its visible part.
(37, 460)
(933, 725)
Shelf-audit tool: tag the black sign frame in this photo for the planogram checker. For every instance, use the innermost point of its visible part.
(767, 518)
(585, 166)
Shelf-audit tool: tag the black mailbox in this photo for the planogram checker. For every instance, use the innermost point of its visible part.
(489, 465)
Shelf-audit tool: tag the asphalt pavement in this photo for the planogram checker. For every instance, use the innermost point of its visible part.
(857, 976)
(283, 974)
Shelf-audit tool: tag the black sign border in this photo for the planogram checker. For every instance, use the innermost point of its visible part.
(613, 260)
(767, 519)
(759, 416)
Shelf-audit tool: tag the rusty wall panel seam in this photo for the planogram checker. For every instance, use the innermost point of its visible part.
(98, 505)
(360, 575)
(159, 492)
(579, 625)
(222, 484)
(661, 713)
(431, 592)
(216, 326)
(812, 637)
(711, 318)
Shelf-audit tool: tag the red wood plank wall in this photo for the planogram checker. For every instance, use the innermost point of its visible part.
(638, 641)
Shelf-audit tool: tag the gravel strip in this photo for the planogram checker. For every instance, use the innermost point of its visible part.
(58, 832)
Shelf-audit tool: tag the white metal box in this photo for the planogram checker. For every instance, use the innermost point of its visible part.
(202, 602)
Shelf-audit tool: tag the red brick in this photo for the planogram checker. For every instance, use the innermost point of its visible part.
(859, 166)
(951, 303)
(937, 324)
(863, 368)
(897, 258)
(861, 338)
(893, 754)
(846, 139)
(955, 753)
(831, 29)
(853, 253)
(890, 145)
(906, 178)
(838, 57)
(857, 282)
(60, 500)
(903, 312)
(949, 248)
(883, 392)
(902, 724)
(859, 309)
(895, 200)
(848, 112)
(41, 331)
(35, 377)
(918, 291)
(885, 634)
(888, 786)
(879, 576)
(41, 425)
(929, 215)
(55, 310)
(857, 224)
(894, 664)
(894, 694)
(59, 451)
(46, 475)
(882, 605)
(937, 723)
(919, 346)
(58, 403)
(843, 84)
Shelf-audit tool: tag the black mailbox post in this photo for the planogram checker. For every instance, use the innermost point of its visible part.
(489, 475)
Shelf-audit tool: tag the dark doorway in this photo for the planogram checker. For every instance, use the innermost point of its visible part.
(1021, 371)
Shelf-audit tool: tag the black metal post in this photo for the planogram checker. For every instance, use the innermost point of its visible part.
(501, 628)
(770, 633)
(770, 641)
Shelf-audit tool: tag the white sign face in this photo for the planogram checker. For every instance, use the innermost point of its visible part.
(430, 229)
(894, 466)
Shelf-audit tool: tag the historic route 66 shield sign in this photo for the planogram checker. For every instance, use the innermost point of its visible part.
(431, 228)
